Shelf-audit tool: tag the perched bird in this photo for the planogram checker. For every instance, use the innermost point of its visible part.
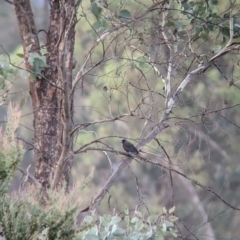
(129, 147)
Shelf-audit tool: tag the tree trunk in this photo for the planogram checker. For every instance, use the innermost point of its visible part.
(51, 101)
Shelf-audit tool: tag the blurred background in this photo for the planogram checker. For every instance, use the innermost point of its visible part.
(203, 139)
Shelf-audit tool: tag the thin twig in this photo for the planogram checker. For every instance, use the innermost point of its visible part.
(29, 176)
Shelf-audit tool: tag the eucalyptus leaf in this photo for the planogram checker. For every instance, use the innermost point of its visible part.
(96, 10)
(124, 15)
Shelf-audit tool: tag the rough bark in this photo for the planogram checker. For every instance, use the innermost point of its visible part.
(52, 105)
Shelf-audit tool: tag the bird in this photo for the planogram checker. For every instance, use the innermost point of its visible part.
(129, 147)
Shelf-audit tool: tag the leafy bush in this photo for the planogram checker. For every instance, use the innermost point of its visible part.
(128, 227)
(25, 216)
(11, 150)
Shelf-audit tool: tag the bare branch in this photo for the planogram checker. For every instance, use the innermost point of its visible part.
(158, 128)
(84, 125)
(30, 176)
(82, 70)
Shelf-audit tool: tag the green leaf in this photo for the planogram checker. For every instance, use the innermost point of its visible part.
(38, 64)
(149, 234)
(164, 210)
(115, 220)
(100, 24)
(96, 11)
(104, 23)
(198, 30)
(185, 6)
(124, 15)
(45, 231)
(104, 3)
(152, 218)
(90, 236)
(195, 8)
(117, 231)
(237, 40)
(97, 26)
(20, 55)
(159, 236)
(169, 24)
(138, 214)
(133, 65)
(217, 48)
(139, 225)
(172, 218)
(204, 36)
(168, 224)
(2, 83)
(88, 219)
(225, 31)
(164, 227)
(126, 210)
(93, 231)
(172, 209)
(174, 234)
(214, 2)
(6, 71)
(127, 220)
(118, 71)
(142, 61)
(134, 220)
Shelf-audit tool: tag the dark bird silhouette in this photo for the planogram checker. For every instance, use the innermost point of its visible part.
(129, 147)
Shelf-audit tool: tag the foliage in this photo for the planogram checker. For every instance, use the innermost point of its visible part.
(6, 72)
(24, 215)
(11, 151)
(204, 16)
(38, 64)
(128, 227)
